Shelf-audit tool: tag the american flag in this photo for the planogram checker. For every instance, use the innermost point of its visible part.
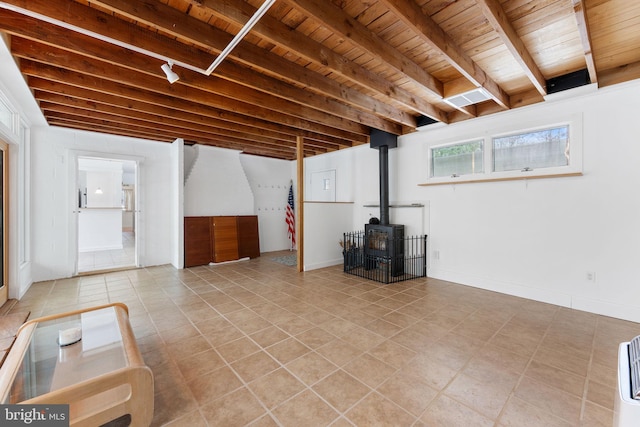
(290, 218)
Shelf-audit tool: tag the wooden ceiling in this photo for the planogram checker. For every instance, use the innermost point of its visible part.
(325, 70)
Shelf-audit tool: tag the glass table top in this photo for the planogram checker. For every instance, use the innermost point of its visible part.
(48, 366)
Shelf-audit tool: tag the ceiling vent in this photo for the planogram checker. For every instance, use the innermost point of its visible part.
(474, 96)
(568, 81)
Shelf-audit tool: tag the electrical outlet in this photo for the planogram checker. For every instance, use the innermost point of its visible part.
(591, 276)
(436, 255)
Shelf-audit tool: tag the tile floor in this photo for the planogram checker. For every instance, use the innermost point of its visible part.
(256, 343)
(110, 259)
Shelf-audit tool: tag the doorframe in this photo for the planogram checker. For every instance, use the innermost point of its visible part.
(4, 289)
(73, 200)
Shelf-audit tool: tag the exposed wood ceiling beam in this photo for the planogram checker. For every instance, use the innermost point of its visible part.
(187, 111)
(496, 16)
(169, 132)
(585, 37)
(106, 127)
(171, 21)
(413, 17)
(62, 77)
(619, 74)
(198, 31)
(71, 13)
(280, 34)
(86, 72)
(172, 128)
(324, 71)
(62, 103)
(24, 26)
(334, 17)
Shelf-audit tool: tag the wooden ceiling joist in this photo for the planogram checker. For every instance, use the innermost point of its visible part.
(326, 72)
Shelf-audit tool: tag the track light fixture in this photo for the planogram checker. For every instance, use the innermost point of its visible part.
(168, 70)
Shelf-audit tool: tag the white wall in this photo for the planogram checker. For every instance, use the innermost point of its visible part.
(14, 91)
(539, 238)
(217, 185)
(177, 203)
(270, 180)
(357, 200)
(324, 228)
(53, 196)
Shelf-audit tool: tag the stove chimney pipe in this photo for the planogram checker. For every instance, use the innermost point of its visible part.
(382, 141)
(383, 161)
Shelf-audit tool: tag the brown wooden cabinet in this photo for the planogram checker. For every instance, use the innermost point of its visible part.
(197, 240)
(220, 238)
(248, 238)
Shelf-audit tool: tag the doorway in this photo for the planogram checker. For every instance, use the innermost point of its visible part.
(107, 214)
(4, 231)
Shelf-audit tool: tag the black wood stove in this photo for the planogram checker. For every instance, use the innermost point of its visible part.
(384, 242)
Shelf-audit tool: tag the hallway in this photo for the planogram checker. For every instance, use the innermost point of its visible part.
(110, 259)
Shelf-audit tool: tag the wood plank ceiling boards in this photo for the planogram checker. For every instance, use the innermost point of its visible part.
(324, 71)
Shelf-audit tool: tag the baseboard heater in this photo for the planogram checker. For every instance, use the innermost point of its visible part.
(627, 403)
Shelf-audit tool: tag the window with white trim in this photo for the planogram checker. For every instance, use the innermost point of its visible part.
(539, 148)
(526, 151)
(458, 159)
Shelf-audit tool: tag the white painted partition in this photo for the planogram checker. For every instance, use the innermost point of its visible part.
(54, 196)
(177, 203)
(99, 229)
(324, 225)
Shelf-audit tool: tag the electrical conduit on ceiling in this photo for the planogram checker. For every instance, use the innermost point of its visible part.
(170, 61)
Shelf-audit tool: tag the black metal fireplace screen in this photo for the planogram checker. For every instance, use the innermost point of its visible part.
(376, 256)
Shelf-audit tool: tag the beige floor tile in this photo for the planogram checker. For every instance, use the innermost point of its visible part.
(200, 364)
(238, 349)
(375, 410)
(392, 354)
(214, 384)
(264, 421)
(519, 413)
(288, 350)
(172, 404)
(384, 328)
(491, 359)
(363, 338)
(295, 325)
(192, 419)
(188, 347)
(596, 416)
(269, 336)
(445, 411)
(237, 408)
(311, 368)
(435, 373)
(551, 400)
(485, 397)
(557, 378)
(412, 393)
(254, 344)
(255, 366)
(369, 370)
(315, 337)
(600, 394)
(305, 409)
(276, 387)
(341, 390)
